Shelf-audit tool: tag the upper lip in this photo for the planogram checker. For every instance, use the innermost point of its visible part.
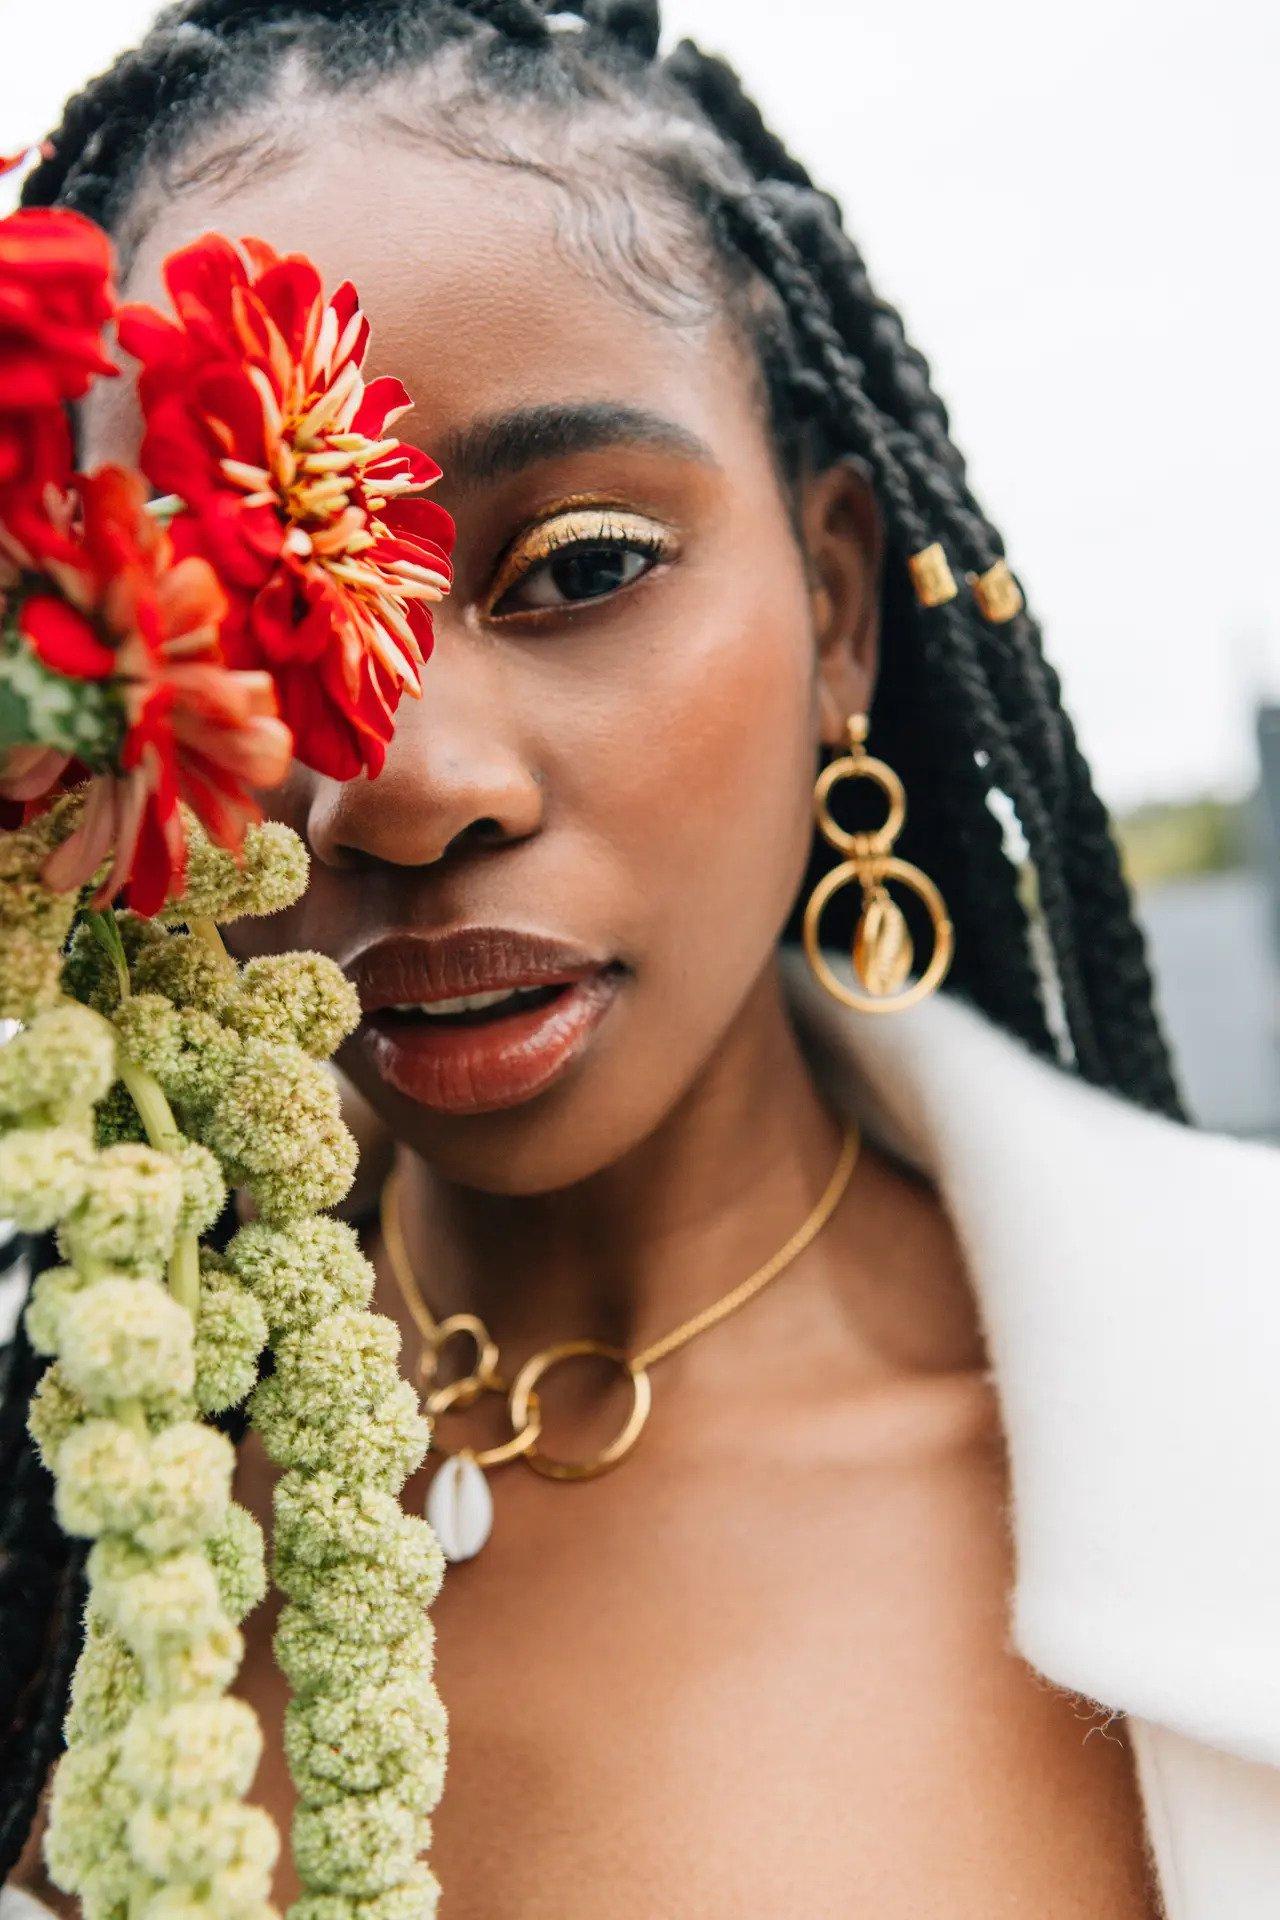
(407, 969)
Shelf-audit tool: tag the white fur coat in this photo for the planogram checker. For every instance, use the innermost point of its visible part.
(1128, 1275)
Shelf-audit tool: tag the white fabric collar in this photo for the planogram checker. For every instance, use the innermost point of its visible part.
(1127, 1271)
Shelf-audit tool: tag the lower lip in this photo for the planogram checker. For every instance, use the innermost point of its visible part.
(495, 1063)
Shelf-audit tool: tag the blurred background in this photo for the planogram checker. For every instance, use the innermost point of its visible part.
(1075, 211)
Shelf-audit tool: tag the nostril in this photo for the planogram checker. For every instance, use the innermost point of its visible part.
(484, 832)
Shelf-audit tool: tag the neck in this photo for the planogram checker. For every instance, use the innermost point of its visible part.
(629, 1252)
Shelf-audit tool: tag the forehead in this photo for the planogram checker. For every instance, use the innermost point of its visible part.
(483, 290)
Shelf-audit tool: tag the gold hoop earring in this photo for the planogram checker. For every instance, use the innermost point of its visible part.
(882, 952)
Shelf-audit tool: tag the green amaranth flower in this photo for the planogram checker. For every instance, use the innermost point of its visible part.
(322, 1180)
(343, 1364)
(44, 1173)
(272, 1105)
(176, 1564)
(169, 1614)
(197, 1753)
(202, 1843)
(146, 1819)
(387, 1737)
(62, 1062)
(34, 922)
(302, 1272)
(319, 1520)
(43, 1315)
(127, 1212)
(103, 1472)
(204, 1191)
(105, 1687)
(296, 999)
(237, 1553)
(417, 1897)
(126, 1339)
(116, 1120)
(187, 1490)
(187, 972)
(189, 1051)
(362, 1844)
(30, 971)
(379, 1447)
(316, 1660)
(271, 874)
(212, 1902)
(359, 1601)
(84, 1843)
(90, 974)
(230, 1336)
(55, 1412)
(366, 1736)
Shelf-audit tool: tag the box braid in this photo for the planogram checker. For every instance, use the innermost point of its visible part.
(966, 707)
(41, 1600)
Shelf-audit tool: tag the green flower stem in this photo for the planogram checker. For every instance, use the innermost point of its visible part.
(164, 1133)
(107, 934)
(205, 930)
(130, 1414)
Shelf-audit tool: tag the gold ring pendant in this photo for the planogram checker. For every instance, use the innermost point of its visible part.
(524, 1399)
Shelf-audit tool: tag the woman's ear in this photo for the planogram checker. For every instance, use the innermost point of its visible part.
(843, 538)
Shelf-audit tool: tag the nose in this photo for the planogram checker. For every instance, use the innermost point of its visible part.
(457, 779)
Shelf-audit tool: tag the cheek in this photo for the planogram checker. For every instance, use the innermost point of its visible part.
(699, 773)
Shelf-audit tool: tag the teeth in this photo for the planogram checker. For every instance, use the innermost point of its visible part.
(464, 1002)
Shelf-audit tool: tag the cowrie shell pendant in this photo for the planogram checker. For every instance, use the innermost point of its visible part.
(460, 1507)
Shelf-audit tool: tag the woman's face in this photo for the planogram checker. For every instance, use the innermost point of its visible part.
(601, 805)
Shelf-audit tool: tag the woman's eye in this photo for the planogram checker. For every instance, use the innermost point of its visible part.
(577, 558)
(578, 573)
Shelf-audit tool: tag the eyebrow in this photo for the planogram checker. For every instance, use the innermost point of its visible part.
(506, 443)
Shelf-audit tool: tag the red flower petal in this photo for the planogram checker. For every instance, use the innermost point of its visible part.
(63, 639)
(289, 293)
(385, 399)
(201, 278)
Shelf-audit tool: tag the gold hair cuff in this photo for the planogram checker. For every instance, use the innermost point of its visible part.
(931, 576)
(997, 593)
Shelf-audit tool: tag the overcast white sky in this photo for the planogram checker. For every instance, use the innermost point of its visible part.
(1076, 210)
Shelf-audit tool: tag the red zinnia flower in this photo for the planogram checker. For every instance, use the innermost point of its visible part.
(98, 596)
(55, 298)
(258, 416)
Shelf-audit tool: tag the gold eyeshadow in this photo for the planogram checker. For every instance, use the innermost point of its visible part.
(577, 522)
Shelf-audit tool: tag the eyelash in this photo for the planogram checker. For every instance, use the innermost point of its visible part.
(577, 529)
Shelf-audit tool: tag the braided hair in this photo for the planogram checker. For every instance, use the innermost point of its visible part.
(967, 708)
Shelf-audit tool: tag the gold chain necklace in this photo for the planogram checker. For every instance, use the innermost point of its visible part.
(459, 1504)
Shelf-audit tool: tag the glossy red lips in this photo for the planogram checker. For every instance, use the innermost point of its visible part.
(478, 1059)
